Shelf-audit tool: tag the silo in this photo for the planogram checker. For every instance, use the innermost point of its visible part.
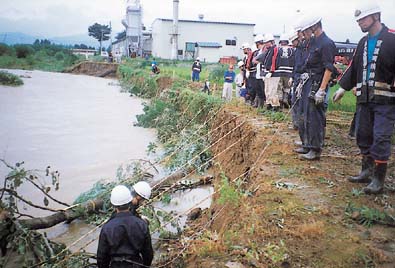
(134, 27)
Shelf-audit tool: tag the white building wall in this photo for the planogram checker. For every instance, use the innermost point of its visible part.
(208, 54)
(200, 32)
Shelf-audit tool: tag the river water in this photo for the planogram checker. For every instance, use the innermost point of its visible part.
(81, 126)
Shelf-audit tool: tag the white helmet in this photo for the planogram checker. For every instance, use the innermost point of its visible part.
(143, 189)
(198, 59)
(284, 37)
(293, 36)
(308, 21)
(240, 63)
(297, 26)
(120, 195)
(365, 9)
(268, 37)
(245, 46)
(259, 38)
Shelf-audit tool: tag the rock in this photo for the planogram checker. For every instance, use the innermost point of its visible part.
(194, 214)
(230, 264)
(355, 215)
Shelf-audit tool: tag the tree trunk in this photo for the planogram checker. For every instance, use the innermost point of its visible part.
(67, 215)
(93, 206)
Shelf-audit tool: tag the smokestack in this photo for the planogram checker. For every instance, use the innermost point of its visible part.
(174, 51)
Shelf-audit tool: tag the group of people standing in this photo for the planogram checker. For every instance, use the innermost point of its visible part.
(297, 73)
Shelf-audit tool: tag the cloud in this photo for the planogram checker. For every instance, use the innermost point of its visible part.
(67, 17)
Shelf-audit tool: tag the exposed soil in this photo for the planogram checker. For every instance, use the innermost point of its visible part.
(99, 69)
(291, 213)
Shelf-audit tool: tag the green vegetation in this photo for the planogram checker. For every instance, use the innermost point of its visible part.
(42, 55)
(180, 113)
(9, 79)
(229, 194)
(346, 104)
(368, 216)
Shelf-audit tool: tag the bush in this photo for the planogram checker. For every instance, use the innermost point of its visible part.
(59, 55)
(5, 50)
(22, 51)
(9, 79)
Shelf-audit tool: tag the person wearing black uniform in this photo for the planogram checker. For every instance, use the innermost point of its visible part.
(319, 68)
(372, 72)
(125, 240)
(258, 60)
(252, 81)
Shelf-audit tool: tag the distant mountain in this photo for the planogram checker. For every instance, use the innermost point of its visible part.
(12, 38)
(17, 38)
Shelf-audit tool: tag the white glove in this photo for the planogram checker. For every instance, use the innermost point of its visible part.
(320, 96)
(268, 75)
(248, 74)
(338, 94)
(290, 82)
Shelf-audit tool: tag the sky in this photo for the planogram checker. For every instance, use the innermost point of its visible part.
(54, 18)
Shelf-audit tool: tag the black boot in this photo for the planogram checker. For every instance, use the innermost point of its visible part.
(377, 184)
(255, 103)
(366, 172)
(261, 102)
(311, 155)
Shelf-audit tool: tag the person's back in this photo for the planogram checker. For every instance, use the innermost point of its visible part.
(126, 240)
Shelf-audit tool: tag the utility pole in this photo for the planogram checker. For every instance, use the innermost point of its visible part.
(174, 51)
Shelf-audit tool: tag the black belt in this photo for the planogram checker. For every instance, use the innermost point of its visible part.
(128, 259)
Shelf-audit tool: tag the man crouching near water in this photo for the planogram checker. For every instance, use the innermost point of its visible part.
(125, 240)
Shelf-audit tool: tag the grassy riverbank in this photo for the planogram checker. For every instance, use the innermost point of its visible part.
(46, 57)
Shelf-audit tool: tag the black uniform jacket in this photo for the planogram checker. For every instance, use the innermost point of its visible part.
(379, 87)
(321, 56)
(125, 235)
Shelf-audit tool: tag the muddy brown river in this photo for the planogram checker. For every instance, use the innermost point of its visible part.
(81, 126)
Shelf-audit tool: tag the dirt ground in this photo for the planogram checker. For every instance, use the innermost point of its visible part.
(285, 212)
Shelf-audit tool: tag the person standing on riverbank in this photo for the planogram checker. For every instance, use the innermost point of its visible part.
(125, 240)
(196, 70)
(372, 72)
(229, 78)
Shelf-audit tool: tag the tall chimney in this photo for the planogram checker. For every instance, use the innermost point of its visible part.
(174, 51)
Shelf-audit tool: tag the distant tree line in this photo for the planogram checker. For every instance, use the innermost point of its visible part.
(42, 55)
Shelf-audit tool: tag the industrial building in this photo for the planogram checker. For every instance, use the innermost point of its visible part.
(181, 39)
(208, 40)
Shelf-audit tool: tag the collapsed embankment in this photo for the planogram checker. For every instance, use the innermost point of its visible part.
(99, 69)
(279, 211)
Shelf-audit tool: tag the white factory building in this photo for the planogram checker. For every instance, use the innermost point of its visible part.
(208, 40)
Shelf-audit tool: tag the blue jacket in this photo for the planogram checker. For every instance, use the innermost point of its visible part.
(229, 74)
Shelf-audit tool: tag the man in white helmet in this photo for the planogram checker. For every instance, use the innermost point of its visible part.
(125, 240)
(196, 70)
(284, 68)
(271, 81)
(319, 67)
(258, 59)
(239, 80)
(247, 63)
(372, 72)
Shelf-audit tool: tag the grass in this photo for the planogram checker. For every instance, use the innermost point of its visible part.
(346, 104)
(9, 79)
